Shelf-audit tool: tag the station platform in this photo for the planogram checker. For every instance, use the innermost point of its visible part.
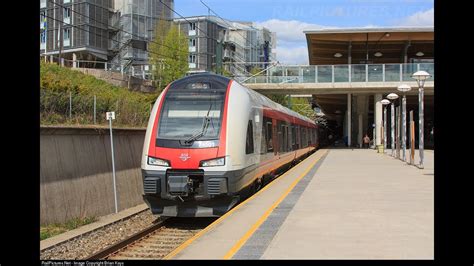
(336, 204)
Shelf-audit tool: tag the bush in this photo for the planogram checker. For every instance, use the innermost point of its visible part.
(57, 83)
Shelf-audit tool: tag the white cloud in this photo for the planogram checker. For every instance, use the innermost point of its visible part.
(291, 40)
(292, 55)
(422, 18)
(289, 30)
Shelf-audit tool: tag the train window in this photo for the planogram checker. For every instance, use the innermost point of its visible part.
(298, 137)
(249, 141)
(316, 133)
(303, 138)
(263, 139)
(288, 139)
(279, 137)
(269, 137)
(293, 137)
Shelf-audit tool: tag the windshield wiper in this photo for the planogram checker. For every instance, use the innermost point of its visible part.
(205, 125)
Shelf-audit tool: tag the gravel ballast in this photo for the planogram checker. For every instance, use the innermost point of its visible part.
(92, 242)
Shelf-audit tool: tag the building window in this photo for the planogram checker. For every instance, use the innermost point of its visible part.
(43, 37)
(192, 42)
(67, 15)
(42, 16)
(42, 19)
(67, 37)
(192, 26)
(192, 58)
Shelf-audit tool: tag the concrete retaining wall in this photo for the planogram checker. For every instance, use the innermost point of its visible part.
(76, 171)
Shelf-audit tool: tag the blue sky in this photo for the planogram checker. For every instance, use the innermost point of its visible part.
(288, 18)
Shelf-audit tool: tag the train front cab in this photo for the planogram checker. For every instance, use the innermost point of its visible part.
(183, 166)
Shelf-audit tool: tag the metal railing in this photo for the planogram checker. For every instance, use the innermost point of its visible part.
(289, 73)
(341, 73)
(140, 71)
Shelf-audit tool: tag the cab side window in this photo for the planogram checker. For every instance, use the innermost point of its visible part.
(249, 141)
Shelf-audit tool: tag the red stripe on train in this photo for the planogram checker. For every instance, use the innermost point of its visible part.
(268, 112)
(223, 136)
(151, 147)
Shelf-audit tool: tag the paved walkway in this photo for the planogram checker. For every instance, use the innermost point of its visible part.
(346, 204)
(361, 205)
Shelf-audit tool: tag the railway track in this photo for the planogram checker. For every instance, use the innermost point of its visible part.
(156, 241)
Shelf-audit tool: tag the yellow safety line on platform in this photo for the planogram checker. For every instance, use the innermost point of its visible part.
(267, 213)
(218, 221)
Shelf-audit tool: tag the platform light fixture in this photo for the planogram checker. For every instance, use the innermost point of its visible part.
(337, 55)
(392, 97)
(378, 54)
(404, 88)
(421, 77)
(385, 102)
(420, 53)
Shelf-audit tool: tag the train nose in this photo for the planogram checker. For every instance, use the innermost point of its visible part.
(187, 158)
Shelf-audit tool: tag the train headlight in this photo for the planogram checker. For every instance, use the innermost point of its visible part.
(213, 162)
(157, 161)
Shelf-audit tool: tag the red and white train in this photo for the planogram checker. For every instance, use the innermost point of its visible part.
(211, 141)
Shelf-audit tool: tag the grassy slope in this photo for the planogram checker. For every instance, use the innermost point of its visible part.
(132, 108)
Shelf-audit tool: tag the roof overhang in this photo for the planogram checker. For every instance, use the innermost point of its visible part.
(331, 46)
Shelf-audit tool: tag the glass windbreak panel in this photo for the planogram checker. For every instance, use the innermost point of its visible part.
(407, 71)
(309, 74)
(357, 73)
(277, 79)
(276, 71)
(184, 112)
(392, 72)
(292, 79)
(292, 71)
(375, 73)
(324, 73)
(428, 67)
(341, 73)
(260, 79)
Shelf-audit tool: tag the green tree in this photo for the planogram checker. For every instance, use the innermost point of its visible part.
(303, 107)
(168, 54)
(255, 70)
(278, 98)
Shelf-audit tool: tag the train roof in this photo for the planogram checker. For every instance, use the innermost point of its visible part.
(276, 106)
(210, 77)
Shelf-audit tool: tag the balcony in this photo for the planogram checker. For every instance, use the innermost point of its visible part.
(342, 73)
(192, 33)
(192, 49)
(192, 65)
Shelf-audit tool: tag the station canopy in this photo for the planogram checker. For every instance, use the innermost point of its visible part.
(370, 45)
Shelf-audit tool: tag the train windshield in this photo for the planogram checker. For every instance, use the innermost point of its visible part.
(185, 112)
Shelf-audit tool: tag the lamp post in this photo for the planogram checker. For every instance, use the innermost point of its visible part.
(404, 88)
(393, 97)
(421, 77)
(385, 102)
